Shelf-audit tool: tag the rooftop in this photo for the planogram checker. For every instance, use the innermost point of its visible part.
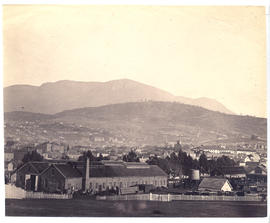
(212, 183)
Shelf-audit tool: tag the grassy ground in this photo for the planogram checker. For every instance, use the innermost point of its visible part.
(93, 208)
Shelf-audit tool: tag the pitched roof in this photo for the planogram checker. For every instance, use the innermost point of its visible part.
(212, 183)
(40, 166)
(252, 163)
(103, 169)
(125, 171)
(234, 170)
(257, 169)
(68, 171)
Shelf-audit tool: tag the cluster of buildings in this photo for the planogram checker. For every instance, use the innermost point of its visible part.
(67, 177)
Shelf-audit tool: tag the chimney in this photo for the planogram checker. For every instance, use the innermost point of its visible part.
(87, 173)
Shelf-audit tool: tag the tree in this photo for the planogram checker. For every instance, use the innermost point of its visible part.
(131, 157)
(203, 163)
(32, 156)
(153, 160)
(86, 155)
(65, 157)
(177, 146)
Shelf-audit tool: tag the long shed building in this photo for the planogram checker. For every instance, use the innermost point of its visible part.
(122, 175)
(100, 176)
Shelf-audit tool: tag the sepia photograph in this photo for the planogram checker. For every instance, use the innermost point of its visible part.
(135, 111)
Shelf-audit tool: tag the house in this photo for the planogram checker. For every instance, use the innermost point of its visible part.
(215, 184)
(234, 172)
(9, 169)
(61, 177)
(44, 148)
(256, 173)
(9, 166)
(9, 156)
(252, 164)
(28, 175)
(59, 148)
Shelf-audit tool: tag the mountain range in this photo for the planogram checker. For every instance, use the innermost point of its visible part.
(51, 98)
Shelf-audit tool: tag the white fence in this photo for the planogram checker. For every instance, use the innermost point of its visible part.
(214, 198)
(40, 195)
(13, 192)
(175, 197)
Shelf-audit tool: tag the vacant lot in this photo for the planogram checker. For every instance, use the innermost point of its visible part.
(93, 208)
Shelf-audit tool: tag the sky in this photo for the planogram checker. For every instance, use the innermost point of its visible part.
(193, 51)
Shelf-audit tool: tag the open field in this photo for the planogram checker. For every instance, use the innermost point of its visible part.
(94, 208)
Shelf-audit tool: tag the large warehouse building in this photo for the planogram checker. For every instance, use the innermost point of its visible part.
(95, 176)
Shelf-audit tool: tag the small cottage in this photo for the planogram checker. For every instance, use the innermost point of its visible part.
(215, 184)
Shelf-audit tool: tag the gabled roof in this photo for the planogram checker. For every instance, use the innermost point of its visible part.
(40, 166)
(212, 183)
(257, 169)
(125, 171)
(68, 171)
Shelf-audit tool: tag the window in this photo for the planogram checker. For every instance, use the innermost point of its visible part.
(59, 185)
(90, 185)
(96, 185)
(114, 184)
(103, 185)
(121, 185)
(155, 183)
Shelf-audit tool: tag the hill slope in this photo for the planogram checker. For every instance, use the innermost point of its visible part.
(169, 113)
(55, 97)
(139, 123)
